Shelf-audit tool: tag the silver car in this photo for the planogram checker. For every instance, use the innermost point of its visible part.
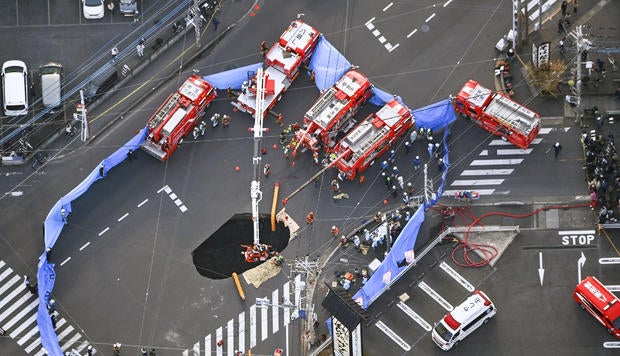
(128, 7)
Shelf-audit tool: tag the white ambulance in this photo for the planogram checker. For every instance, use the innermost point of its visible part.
(463, 320)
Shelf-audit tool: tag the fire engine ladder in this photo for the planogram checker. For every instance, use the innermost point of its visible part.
(508, 112)
(368, 143)
(323, 102)
(161, 114)
(255, 193)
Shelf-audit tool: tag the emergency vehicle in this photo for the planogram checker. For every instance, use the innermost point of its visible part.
(177, 116)
(604, 306)
(476, 310)
(282, 64)
(498, 114)
(372, 137)
(330, 116)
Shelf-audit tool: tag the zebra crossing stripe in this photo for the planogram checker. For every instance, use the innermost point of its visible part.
(2, 263)
(8, 285)
(208, 344)
(514, 151)
(297, 291)
(5, 274)
(496, 162)
(460, 183)
(21, 314)
(275, 311)
(196, 349)
(15, 305)
(392, 335)
(29, 336)
(456, 276)
(71, 341)
(451, 193)
(487, 172)
(242, 330)
(535, 141)
(253, 325)
(287, 311)
(438, 298)
(65, 332)
(83, 346)
(218, 337)
(230, 342)
(413, 315)
(23, 326)
(264, 323)
(544, 130)
(11, 295)
(186, 353)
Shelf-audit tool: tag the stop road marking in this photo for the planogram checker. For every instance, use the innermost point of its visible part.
(577, 237)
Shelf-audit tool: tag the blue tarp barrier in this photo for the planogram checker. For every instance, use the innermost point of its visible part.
(232, 78)
(52, 228)
(435, 116)
(328, 64)
(381, 97)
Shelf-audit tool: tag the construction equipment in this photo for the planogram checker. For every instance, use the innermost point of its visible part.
(330, 117)
(372, 137)
(282, 64)
(177, 116)
(498, 114)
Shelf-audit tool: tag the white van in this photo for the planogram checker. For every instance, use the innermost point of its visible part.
(463, 320)
(51, 75)
(15, 88)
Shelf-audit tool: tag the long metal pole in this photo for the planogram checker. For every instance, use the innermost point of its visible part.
(255, 192)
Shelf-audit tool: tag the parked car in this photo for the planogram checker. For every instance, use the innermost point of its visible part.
(128, 7)
(15, 88)
(51, 91)
(93, 9)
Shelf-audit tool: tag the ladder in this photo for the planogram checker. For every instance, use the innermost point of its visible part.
(165, 109)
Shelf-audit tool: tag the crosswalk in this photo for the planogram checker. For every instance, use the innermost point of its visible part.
(493, 166)
(18, 317)
(253, 325)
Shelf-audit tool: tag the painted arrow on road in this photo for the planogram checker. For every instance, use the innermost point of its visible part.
(580, 262)
(541, 270)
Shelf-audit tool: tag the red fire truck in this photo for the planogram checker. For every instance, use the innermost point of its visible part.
(282, 63)
(331, 114)
(498, 114)
(600, 302)
(372, 137)
(177, 116)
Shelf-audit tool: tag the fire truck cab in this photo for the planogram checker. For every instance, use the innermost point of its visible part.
(282, 64)
(498, 114)
(602, 304)
(372, 137)
(329, 118)
(177, 116)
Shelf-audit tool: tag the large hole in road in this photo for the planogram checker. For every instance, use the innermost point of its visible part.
(221, 253)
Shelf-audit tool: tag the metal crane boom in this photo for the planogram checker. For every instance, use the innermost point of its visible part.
(255, 192)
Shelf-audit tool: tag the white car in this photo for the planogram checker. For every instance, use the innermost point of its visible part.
(15, 88)
(93, 9)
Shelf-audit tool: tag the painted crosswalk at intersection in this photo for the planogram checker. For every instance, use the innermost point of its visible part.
(18, 317)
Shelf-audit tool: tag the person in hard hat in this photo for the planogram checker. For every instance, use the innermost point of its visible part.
(196, 133)
(416, 163)
(334, 230)
(310, 218)
(267, 169)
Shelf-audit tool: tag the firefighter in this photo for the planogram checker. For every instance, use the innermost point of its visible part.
(202, 127)
(312, 75)
(315, 158)
(341, 176)
(215, 119)
(385, 166)
(263, 48)
(267, 169)
(279, 120)
(392, 157)
(429, 133)
(416, 163)
(409, 189)
(335, 186)
(440, 164)
(413, 136)
(225, 121)
(405, 198)
(310, 218)
(334, 230)
(196, 133)
(282, 138)
(407, 147)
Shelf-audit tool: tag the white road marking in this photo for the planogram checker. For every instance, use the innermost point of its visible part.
(275, 298)
(484, 153)
(611, 344)
(382, 40)
(85, 246)
(241, 331)
(487, 172)
(613, 288)
(451, 193)
(208, 344)
(392, 335)
(178, 202)
(264, 327)
(609, 260)
(5, 273)
(163, 188)
(218, 337)
(514, 151)
(430, 17)
(21, 314)
(394, 47)
(369, 21)
(544, 130)
(253, 326)
(65, 261)
(287, 295)
(447, 3)
(23, 325)
(576, 232)
(8, 285)
(143, 202)
(456, 276)
(376, 33)
(496, 162)
(71, 341)
(104, 231)
(370, 26)
(28, 336)
(183, 208)
(412, 33)
(388, 6)
(18, 303)
(461, 183)
(173, 196)
(123, 217)
(535, 141)
(413, 315)
(196, 349)
(438, 298)
(65, 332)
(230, 333)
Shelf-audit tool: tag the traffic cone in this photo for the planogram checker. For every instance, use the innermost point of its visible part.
(237, 169)
(275, 146)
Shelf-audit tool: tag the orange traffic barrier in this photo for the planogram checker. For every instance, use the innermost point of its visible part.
(274, 205)
(239, 287)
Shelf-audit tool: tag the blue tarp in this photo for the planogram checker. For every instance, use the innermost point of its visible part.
(232, 78)
(394, 263)
(328, 64)
(52, 228)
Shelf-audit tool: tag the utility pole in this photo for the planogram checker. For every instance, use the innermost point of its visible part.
(195, 20)
(516, 7)
(583, 46)
(428, 186)
(310, 270)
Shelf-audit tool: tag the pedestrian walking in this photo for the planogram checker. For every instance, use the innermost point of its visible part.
(556, 149)
(315, 158)
(226, 121)
(310, 218)
(394, 191)
(407, 147)
(267, 169)
(202, 127)
(130, 155)
(116, 348)
(416, 163)
(561, 47)
(196, 133)
(410, 189)
(362, 179)
(574, 6)
(334, 230)
(405, 198)
(31, 288)
(560, 25)
(599, 122)
(63, 215)
(140, 49)
(215, 23)
(563, 7)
